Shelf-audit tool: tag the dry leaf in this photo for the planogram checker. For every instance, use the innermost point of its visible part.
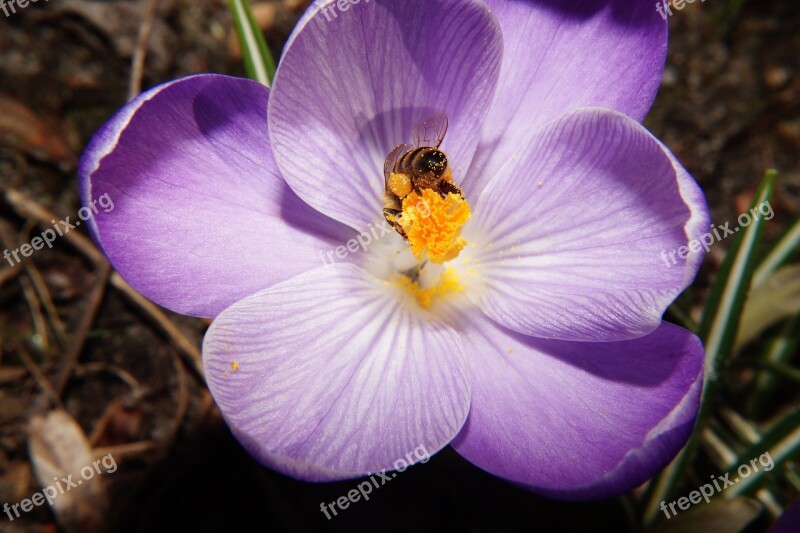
(60, 454)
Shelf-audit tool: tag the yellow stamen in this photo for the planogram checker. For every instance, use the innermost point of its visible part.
(448, 283)
(433, 224)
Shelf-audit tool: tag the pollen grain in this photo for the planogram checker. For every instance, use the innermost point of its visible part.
(433, 224)
(448, 283)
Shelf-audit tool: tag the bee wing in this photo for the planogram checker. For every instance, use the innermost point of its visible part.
(431, 130)
(395, 155)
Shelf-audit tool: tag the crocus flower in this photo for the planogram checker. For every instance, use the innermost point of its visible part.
(537, 351)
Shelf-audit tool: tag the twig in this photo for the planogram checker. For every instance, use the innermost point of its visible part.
(12, 374)
(41, 287)
(8, 274)
(27, 290)
(137, 65)
(124, 450)
(36, 312)
(185, 346)
(29, 208)
(40, 378)
(79, 338)
(105, 419)
(183, 397)
(121, 373)
(47, 302)
(137, 392)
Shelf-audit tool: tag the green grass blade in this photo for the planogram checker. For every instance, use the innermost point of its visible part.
(717, 330)
(258, 62)
(779, 352)
(780, 370)
(721, 316)
(783, 250)
(781, 443)
(680, 312)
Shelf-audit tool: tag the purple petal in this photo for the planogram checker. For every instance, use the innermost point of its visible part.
(580, 238)
(350, 388)
(579, 420)
(564, 55)
(789, 521)
(351, 88)
(700, 222)
(201, 215)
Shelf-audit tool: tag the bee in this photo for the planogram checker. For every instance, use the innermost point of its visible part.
(418, 166)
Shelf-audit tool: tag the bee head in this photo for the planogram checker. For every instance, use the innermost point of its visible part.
(434, 161)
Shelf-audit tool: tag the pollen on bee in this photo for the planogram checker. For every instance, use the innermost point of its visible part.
(434, 230)
(448, 175)
(399, 184)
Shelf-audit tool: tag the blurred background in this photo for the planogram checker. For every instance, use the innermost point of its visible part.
(122, 375)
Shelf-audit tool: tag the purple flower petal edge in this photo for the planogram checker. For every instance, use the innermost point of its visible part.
(563, 55)
(201, 216)
(573, 240)
(351, 88)
(349, 389)
(578, 420)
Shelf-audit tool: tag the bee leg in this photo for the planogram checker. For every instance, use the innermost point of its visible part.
(445, 187)
(391, 216)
